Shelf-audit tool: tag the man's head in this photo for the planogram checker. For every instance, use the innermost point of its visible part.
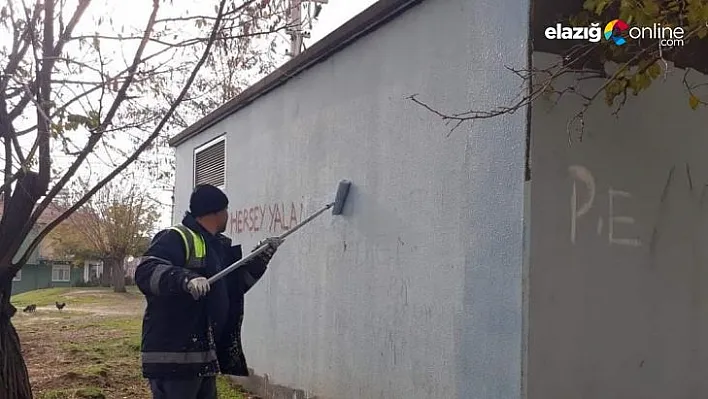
(209, 205)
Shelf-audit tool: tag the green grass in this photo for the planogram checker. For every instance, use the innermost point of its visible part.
(39, 297)
(73, 393)
(47, 296)
(104, 357)
(227, 390)
(111, 350)
(101, 352)
(128, 325)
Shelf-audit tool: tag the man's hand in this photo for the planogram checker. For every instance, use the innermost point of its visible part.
(273, 244)
(198, 287)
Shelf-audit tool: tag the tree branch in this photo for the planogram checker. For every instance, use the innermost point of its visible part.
(18, 150)
(94, 138)
(17, 111)
(205, 17)
(140, 149)
(45, 97)
(96, 134)
(644, 56)
(188, 42)
(18, 53)
(691, 89)
(75, 18)
(7, 191)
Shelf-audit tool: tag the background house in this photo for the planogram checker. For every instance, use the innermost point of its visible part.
(45, 269)
(47, 274)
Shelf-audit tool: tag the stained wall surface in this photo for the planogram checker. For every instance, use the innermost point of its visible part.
(415, 292)
(618, 279)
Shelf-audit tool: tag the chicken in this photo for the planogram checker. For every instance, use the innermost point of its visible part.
(60, 306)
(30, 308)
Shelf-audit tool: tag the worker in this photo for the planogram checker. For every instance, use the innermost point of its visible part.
(191, 329)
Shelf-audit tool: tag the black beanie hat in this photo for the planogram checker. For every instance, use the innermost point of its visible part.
(207, 199)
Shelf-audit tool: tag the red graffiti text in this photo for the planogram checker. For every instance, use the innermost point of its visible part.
(268, 218)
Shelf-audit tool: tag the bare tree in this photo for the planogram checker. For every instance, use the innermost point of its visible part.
(114, 224)
(68, 101)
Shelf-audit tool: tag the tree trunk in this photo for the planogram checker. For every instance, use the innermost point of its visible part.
(14, 379)
(118, 272)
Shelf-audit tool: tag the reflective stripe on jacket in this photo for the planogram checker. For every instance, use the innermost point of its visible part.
(183, 337)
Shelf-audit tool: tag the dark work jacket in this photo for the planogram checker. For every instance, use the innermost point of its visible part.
(185, 338)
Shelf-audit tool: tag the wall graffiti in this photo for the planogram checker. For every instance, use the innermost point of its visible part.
(267, 218)
(579, 209)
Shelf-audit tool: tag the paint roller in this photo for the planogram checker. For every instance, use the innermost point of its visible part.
(337, 207)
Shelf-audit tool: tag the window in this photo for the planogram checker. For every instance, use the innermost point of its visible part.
(95, 270)
(210, 163)
(18, 276)
(61, 273)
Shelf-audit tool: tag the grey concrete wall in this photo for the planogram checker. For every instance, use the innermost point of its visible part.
(416, 291)
(618, 276)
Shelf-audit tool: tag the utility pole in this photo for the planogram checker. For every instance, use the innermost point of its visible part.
(295, 30)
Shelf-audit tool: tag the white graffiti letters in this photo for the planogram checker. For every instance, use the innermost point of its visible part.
(582, 177)
(634, 242)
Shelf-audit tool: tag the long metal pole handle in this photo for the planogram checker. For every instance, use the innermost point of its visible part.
(306, 221)
(263, 247)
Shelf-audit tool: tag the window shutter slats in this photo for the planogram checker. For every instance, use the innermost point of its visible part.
(209, 165)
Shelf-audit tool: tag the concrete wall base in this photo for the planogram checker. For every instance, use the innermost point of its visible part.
(266, 389)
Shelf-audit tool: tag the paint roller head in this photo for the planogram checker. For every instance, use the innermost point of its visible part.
(341, 197)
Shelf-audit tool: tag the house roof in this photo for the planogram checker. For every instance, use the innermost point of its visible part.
(50, 213)
(366, 22)
(544, 13)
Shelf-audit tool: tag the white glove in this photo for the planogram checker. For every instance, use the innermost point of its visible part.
(273, 244)
(198, 287)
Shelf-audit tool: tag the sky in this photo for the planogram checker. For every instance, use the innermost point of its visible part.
(334, 14)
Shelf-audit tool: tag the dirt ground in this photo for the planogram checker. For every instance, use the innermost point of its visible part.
(88, 350)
